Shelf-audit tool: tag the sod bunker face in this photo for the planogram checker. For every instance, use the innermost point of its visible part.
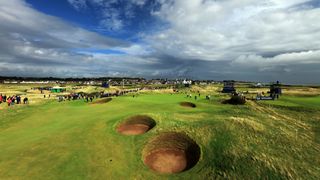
(171, 153)
(235, 100)
(136, 125)
(188, 104)
(102, 101)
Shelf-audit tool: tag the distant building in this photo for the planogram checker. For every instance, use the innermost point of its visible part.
(57, 89)
(275, 90)
(187, 83)
(105, 85)
(10, 82)
(34, 82)
(228, 86)
(258, 85)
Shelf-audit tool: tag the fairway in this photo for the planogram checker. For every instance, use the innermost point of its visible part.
(79, 140)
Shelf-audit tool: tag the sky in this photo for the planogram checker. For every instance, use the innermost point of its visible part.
(250, 40)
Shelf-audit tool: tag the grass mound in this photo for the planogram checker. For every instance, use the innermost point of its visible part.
(188, 104)
(136, 125)
(235, 100)
(102, 101)
(171, 152)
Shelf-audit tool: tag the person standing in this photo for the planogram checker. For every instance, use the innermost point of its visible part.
(25, 100)
(9, 101)
(18, 99)
(13, 100)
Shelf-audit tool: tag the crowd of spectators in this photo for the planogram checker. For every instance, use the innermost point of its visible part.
(12, 100)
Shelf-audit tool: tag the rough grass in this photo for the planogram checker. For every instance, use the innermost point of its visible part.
(71, 140)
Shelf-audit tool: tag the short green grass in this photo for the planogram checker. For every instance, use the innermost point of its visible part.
(76, 140)
(311, 102)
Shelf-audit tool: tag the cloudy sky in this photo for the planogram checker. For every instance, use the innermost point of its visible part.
(263, 40)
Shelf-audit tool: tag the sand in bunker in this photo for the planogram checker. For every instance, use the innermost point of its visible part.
(171, 153)
(133, 129)
(136, 125)
(167, 161)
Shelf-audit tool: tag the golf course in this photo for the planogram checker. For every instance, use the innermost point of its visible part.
(161, 135)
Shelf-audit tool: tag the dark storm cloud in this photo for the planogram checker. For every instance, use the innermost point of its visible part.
(167, 66)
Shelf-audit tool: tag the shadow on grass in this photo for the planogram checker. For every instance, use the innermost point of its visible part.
(316, 129)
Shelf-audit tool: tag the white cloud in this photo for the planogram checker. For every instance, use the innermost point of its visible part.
(113, 13)
(35, 44)
(225, 30)
(112, 23)
(306, 57)
(78, 4)
(139, 2)
(32, 43)
(21, 21)
(136, 50)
